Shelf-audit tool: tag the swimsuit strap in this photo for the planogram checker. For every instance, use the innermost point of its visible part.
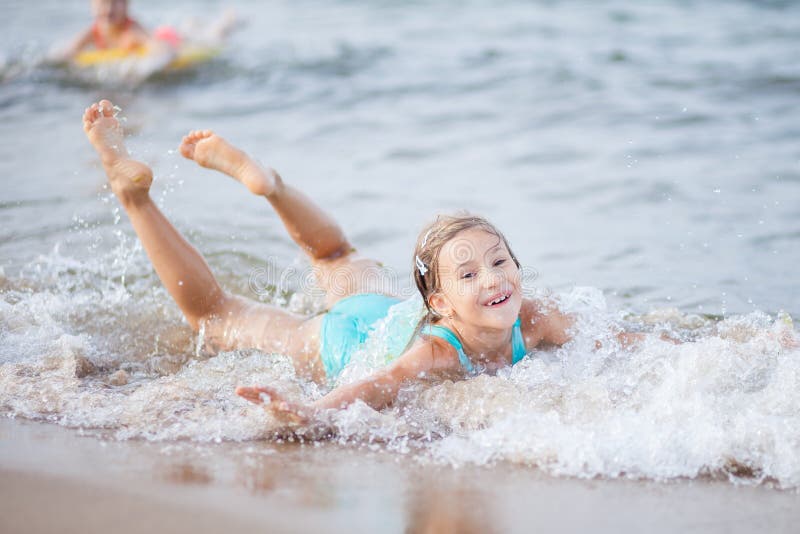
(448, 335)
(518, 349)
(517, 343)
(100, 41)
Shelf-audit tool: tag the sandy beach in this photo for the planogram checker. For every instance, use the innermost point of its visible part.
(58, 480)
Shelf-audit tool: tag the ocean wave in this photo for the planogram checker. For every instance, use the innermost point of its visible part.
(724, 403)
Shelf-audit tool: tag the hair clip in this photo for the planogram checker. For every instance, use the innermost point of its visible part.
(425, 239)
(421, 266)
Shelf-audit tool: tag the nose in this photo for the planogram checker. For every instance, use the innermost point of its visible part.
(492, 277)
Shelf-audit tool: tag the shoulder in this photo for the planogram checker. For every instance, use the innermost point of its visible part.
(133, 24)
(543, 322)
(428, 354)
(86, 36)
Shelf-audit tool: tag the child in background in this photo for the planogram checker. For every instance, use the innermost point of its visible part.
(114, 28)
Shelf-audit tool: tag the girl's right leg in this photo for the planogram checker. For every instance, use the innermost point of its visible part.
(229, 321)
(339, 271)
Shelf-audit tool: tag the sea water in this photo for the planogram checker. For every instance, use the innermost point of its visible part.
(641, 159)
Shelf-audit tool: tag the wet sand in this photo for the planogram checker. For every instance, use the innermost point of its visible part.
(54, 479)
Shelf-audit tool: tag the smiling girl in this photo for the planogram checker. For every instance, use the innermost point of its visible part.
(477, 319)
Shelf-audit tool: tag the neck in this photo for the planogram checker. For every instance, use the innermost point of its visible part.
(112, 26)
(481, 343)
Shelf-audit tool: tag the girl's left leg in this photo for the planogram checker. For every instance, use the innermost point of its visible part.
(228, 321)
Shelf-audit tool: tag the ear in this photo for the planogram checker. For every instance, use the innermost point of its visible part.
(440, 304)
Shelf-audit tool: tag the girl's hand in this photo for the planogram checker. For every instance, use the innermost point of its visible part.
(783, 332)
(284, 410)
(787, 339)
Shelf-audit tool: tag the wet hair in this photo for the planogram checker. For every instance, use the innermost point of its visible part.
(430, 242)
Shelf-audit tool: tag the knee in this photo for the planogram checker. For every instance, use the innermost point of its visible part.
(211, 317)
(335, 253)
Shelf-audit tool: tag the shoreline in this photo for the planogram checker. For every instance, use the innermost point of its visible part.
(35, 502)
(66, 480)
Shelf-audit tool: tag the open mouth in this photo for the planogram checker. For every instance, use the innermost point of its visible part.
(499, 300)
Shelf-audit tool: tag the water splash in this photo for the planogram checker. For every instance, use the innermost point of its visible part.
(77, 351)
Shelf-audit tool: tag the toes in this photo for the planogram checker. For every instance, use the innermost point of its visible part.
(89, 116)
(196, 135)
(106, 108)
(187, 148)
(190, 140)
(90, 113)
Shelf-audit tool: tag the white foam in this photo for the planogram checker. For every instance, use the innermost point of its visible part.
(728, 403)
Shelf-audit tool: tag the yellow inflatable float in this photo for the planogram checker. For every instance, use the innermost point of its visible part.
(187, 56)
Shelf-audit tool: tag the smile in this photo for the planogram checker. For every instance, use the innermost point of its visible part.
(498, 299)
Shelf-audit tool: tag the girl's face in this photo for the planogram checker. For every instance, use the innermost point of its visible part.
(479, 281)
(113, 12)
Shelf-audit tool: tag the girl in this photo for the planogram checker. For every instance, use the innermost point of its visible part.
(112, 28)
(469, 279)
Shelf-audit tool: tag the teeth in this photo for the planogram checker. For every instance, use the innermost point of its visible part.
(498, 300)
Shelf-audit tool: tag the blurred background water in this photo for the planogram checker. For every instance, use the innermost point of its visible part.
(645, 149)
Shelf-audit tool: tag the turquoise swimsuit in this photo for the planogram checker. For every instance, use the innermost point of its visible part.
(517, 343)
(348, 324)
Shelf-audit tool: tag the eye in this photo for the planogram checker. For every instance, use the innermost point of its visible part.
(467, 275)
(499, 262)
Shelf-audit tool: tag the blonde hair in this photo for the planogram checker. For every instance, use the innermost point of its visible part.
(430, 243)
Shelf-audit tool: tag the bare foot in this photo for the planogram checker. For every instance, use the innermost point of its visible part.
(213, 152)
(129, 179)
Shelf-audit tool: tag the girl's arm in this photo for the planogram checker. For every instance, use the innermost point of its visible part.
(378, 391)
(66, 53)
(557, 326)
(554, 328)
(543, 323)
